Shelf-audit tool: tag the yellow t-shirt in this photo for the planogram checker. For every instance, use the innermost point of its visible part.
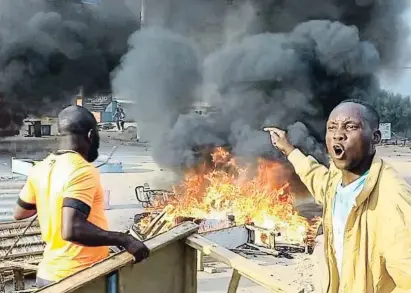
(52, 180)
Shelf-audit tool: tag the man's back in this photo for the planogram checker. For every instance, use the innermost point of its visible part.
(65, 175)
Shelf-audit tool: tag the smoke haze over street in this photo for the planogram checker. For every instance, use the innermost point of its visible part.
(50, 49)
(258, 63)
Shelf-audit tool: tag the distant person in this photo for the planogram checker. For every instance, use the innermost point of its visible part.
(119, 117)
(367, 205)
(65, 192)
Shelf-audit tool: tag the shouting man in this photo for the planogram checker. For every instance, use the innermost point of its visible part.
(65, 192)
(367, 206)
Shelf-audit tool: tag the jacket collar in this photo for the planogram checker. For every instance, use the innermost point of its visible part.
(370, 182)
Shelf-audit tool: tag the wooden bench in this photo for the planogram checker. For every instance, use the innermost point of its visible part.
(171, 268)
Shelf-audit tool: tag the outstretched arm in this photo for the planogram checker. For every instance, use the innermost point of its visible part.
(313, 174)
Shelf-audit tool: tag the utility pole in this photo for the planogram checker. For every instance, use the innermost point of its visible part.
(143, 13)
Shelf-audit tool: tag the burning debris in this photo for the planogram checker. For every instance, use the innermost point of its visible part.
(258, 63)
(222, 195)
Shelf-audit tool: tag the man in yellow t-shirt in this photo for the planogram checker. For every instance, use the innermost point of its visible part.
(65, 192)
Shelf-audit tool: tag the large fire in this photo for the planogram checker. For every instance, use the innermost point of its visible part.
(252, 194)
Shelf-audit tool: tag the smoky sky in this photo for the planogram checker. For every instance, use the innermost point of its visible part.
(51, 49)
(255, 64)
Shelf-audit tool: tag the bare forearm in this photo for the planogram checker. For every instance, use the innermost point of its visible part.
(22, 214)
(88, 234)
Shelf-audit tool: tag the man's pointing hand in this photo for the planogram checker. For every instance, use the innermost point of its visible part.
(280, 140)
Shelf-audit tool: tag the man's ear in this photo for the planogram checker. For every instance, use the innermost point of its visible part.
(376, 137)
(91, 135)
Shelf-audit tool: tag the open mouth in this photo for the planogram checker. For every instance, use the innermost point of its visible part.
(338, 151)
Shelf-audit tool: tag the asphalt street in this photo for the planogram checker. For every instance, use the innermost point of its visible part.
(131, 156)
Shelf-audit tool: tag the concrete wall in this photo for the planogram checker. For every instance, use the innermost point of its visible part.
(44, 121)
(18, 145)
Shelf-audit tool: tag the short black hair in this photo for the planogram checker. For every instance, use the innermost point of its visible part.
(373, 116)
(76, 120)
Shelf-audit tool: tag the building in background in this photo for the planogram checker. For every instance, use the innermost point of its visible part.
(103, 106)
(128, 106)
(96, 104)
(385, 129)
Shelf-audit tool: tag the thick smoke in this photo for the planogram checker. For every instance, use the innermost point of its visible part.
(50, 49)
(261, 63)
(165, 83)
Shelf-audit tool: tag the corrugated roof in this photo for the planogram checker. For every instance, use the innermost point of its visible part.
(9, 192)
(30, 247)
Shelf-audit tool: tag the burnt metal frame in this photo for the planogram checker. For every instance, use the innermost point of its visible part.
(145, 195)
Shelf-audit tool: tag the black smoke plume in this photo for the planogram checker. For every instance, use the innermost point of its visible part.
(259, 63)
(49, 49)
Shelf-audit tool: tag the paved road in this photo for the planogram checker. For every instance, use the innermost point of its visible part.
(132, 158)
(4, 166)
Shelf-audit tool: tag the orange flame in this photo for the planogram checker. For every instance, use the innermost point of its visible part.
(252, 197)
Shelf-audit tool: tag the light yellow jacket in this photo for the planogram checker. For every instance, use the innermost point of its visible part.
(377, 240)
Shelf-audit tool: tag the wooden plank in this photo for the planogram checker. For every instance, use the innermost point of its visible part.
(190, 269)
(156, 229)
(18, 279)
(245, 267)
(230, 238)
(23, 254)
(256, 233)
(119, 260)
(163, 271)
(154, 222)
(234, 282)
(18, 224)
(6, 243)
(17, 265)
(28, 233)
(96, 286)
(263, 249)
(2, 284)
(200, 261)
(8, 275)
(248, 251)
